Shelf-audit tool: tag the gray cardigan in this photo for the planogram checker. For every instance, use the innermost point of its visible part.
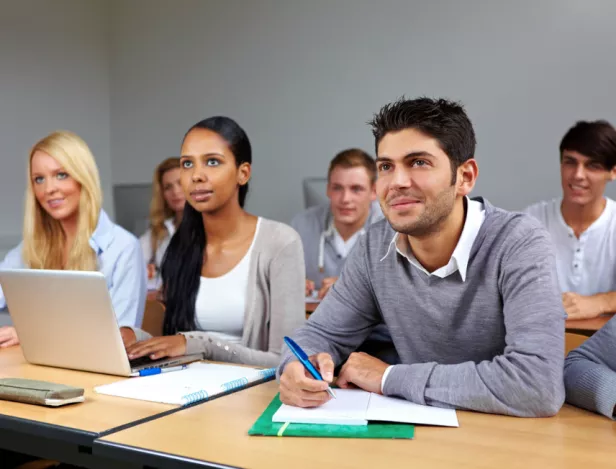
(274, 302)
(590, 372)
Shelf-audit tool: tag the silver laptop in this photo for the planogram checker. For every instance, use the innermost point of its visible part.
(65, 319)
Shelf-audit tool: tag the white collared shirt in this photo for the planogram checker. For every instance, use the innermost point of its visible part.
(475, 216)
(146, 247)
(586, 265)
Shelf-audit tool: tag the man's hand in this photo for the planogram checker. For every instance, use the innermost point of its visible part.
(8, 337)
(583, 307)
(300, 389)
(327, 283)
(363, 371)
(159, 347)
(151, 269)
(128, 336)
(309, 287)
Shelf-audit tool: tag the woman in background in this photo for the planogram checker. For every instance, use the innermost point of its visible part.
(233, 283)
(166, 210)
(66, 229)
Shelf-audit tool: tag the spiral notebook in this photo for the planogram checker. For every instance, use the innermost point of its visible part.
(198, 382)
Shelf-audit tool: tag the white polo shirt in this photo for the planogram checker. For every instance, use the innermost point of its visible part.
(586, 265)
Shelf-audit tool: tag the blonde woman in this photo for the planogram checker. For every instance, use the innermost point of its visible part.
(65, 228)
(166, 211)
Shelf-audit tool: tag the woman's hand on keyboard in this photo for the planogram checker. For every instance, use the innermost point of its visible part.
(158, 347)
(128, 336)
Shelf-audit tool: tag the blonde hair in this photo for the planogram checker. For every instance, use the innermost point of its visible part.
(44, 239)
(159, 209)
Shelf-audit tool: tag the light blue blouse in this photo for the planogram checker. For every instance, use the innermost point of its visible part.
(121, 262)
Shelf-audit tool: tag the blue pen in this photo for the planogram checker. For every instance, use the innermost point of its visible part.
(303, 358)
(156, 371)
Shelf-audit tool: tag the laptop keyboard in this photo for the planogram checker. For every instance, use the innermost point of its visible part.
(144, 361)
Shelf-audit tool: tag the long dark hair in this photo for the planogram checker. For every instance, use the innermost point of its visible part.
(183, 260)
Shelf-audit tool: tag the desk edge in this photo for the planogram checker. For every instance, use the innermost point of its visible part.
(147, 457)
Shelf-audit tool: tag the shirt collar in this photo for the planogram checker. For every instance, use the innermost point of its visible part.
(475, 215)
(103, 233)
(330, 230)
(605, 216)
(170, 225)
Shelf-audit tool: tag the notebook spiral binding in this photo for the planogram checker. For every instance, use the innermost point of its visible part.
(194, 397)
(235, 384)
(267, 373)
(226, 387)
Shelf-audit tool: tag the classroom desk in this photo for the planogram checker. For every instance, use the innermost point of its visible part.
(152, 295)
(215, 435)
(310, 307)
(65, 433)
(588, 326)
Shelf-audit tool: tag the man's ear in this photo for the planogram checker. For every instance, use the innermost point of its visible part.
(466, 177)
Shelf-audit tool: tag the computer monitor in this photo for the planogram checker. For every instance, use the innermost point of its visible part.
(132, 206)
(315, 191)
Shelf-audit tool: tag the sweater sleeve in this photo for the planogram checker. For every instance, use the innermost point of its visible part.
(527, 379)
(345, 317)
(287, 312)
(590, 372)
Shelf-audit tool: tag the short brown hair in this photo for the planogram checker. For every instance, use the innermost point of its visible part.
(352, 158)
(595, 140)
(444, 120)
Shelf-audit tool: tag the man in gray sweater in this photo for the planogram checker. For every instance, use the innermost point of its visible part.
(468, 291)
(590, 372)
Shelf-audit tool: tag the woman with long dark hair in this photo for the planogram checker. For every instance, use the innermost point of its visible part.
(233, 283)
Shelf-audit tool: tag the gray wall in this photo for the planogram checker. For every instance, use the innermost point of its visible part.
(303, 78)
(54, 74)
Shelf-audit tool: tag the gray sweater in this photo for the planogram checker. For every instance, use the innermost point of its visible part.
(590, 372)
(493, 343)
(274, 302)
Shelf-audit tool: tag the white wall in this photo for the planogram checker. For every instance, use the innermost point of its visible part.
(303, 78)
(54, 74)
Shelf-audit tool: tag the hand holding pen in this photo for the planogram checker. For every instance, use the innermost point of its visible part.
(306, 382)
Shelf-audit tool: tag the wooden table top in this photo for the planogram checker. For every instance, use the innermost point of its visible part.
(97, 414)
(217, 432)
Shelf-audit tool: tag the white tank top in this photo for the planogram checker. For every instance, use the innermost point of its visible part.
(221, 301)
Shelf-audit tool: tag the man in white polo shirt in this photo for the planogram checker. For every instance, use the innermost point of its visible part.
(582, 223)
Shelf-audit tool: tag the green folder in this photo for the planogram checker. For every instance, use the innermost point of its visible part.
(264, 426)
